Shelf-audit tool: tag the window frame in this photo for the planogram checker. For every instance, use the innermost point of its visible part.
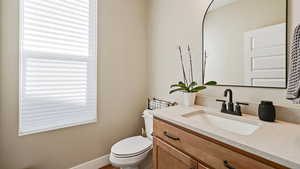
(21, 61)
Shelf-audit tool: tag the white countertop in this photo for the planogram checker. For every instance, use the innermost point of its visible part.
(278, 142)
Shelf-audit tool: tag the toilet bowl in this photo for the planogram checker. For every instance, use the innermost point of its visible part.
(130, 152)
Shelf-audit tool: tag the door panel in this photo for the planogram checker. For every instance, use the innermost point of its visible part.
(167, 157)
(200, 166)
(265, 57)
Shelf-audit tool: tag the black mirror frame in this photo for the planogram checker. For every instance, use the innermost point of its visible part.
(286, 53)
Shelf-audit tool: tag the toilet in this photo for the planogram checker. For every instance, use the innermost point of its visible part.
(130, 152)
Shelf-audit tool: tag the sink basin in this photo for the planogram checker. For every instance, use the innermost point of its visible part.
(231, 125)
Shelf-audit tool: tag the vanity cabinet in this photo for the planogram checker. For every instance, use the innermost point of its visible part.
(167, 157)
(179, 148)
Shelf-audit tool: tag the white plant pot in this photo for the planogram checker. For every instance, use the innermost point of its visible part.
(189, 99)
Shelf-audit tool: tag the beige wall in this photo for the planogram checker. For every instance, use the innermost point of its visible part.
(294, 13)
(225, 30)
(121, 95)
(179, 22)
(170, 25)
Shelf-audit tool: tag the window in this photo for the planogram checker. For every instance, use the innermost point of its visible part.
(58, 64)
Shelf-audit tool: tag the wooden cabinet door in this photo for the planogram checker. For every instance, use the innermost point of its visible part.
(200, 166)
(167, 157)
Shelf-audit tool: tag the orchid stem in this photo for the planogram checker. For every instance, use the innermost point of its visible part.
(182, 65)
(191, 63)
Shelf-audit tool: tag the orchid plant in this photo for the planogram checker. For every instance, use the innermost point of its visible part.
(188, 85)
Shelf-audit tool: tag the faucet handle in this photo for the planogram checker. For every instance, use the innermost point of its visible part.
(238, 108)
(241, 103)
(224, 106)
(219, 100)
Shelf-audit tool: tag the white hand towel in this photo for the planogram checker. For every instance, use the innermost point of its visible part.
(293, 90)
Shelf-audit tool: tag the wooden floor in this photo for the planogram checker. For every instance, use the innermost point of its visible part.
(108, 167)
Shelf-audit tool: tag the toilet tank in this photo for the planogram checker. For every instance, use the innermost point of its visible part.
(148, 118)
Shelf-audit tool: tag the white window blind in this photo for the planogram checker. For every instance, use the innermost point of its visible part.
(57, 64)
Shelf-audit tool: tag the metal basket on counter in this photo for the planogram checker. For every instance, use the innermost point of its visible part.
(154, 103)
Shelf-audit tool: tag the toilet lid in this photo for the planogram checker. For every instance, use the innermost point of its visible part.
(131, 146)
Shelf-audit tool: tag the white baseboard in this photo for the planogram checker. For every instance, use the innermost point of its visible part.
(94, 164)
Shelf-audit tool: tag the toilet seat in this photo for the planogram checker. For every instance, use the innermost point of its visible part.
(130, 155)
(128, 162)
(131, 147)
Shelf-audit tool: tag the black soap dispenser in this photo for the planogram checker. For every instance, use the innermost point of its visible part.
(266, 111)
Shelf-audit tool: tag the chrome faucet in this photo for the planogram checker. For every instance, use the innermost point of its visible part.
(229, 107)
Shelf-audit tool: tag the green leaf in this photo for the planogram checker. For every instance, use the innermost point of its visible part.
(198, 88)
(211, 83)
(192, 85)
(177, 85)
(180, 84)
(177, 90)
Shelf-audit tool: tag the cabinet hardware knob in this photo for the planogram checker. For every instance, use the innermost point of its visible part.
(171, 136)
(227, 165)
